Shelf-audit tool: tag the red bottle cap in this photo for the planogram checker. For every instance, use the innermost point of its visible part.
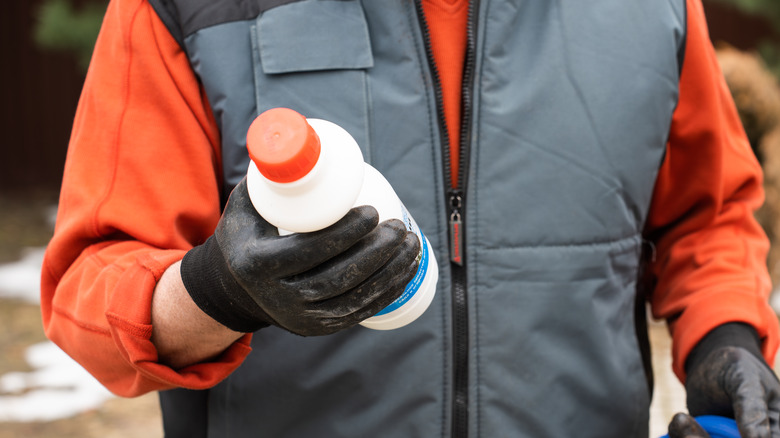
(282, 145)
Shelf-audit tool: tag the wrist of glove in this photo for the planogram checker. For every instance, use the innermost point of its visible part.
(214, 289)
(247, 277)
(727, 376)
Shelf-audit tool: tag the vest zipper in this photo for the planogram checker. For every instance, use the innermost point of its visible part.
(456, 207)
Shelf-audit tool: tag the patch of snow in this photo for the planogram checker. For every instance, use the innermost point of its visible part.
(58, 387)
(774, 300)
(22, 279)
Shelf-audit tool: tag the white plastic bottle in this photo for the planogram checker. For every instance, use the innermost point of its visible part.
(306, 174)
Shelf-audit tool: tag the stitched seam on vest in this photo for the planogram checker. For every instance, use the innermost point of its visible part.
(584, 102)
(595, 243)
(481, 37)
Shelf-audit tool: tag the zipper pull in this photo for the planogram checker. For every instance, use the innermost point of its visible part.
(456, 230)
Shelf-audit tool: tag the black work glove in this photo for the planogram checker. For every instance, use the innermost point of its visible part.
(684, 426)
(247, 277)
(728, 376)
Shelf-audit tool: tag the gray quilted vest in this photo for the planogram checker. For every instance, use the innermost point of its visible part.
(533, 332)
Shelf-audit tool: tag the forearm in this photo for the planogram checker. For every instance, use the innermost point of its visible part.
(181, 332)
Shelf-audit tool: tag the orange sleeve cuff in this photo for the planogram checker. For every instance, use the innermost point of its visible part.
(129, 316)
(120, 354)
(705, 312)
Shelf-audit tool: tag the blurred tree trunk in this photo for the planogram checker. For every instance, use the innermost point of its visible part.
(39, 96)
(750, 25)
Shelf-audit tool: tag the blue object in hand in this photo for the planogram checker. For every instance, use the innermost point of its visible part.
(717, 427)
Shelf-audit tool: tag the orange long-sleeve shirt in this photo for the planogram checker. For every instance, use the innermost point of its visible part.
(141, 94)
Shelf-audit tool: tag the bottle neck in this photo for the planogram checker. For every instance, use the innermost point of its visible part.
(302, 184)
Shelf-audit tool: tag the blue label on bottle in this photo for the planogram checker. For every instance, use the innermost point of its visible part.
(413, 286)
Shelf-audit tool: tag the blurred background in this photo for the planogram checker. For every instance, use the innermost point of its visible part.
(47, 45)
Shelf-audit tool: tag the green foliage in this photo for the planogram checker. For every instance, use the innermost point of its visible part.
(61, 27)
(770, 52)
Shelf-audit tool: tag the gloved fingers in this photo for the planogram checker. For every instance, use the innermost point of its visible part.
(376, 292)
(772, 390)
(274, 256)
(301, 252)
(753, 389)
(750, 407)
(352, 267)
(289, 309)
(774, 421)
(684, 426)
(244, 234)
(724, 378)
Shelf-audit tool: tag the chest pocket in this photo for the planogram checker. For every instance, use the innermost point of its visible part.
(313, 57)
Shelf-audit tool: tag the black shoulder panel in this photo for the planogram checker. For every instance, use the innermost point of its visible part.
(185, 17)
(166, 10)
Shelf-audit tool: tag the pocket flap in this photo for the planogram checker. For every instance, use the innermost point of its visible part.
(314, 35)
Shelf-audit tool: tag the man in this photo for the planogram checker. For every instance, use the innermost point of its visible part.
(543, 146)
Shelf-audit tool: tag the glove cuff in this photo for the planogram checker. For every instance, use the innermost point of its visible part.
(214, 290)
(733, 334)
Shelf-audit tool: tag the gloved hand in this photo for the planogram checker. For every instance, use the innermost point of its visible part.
(247, 277)
(727, 376)
(684, 426)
